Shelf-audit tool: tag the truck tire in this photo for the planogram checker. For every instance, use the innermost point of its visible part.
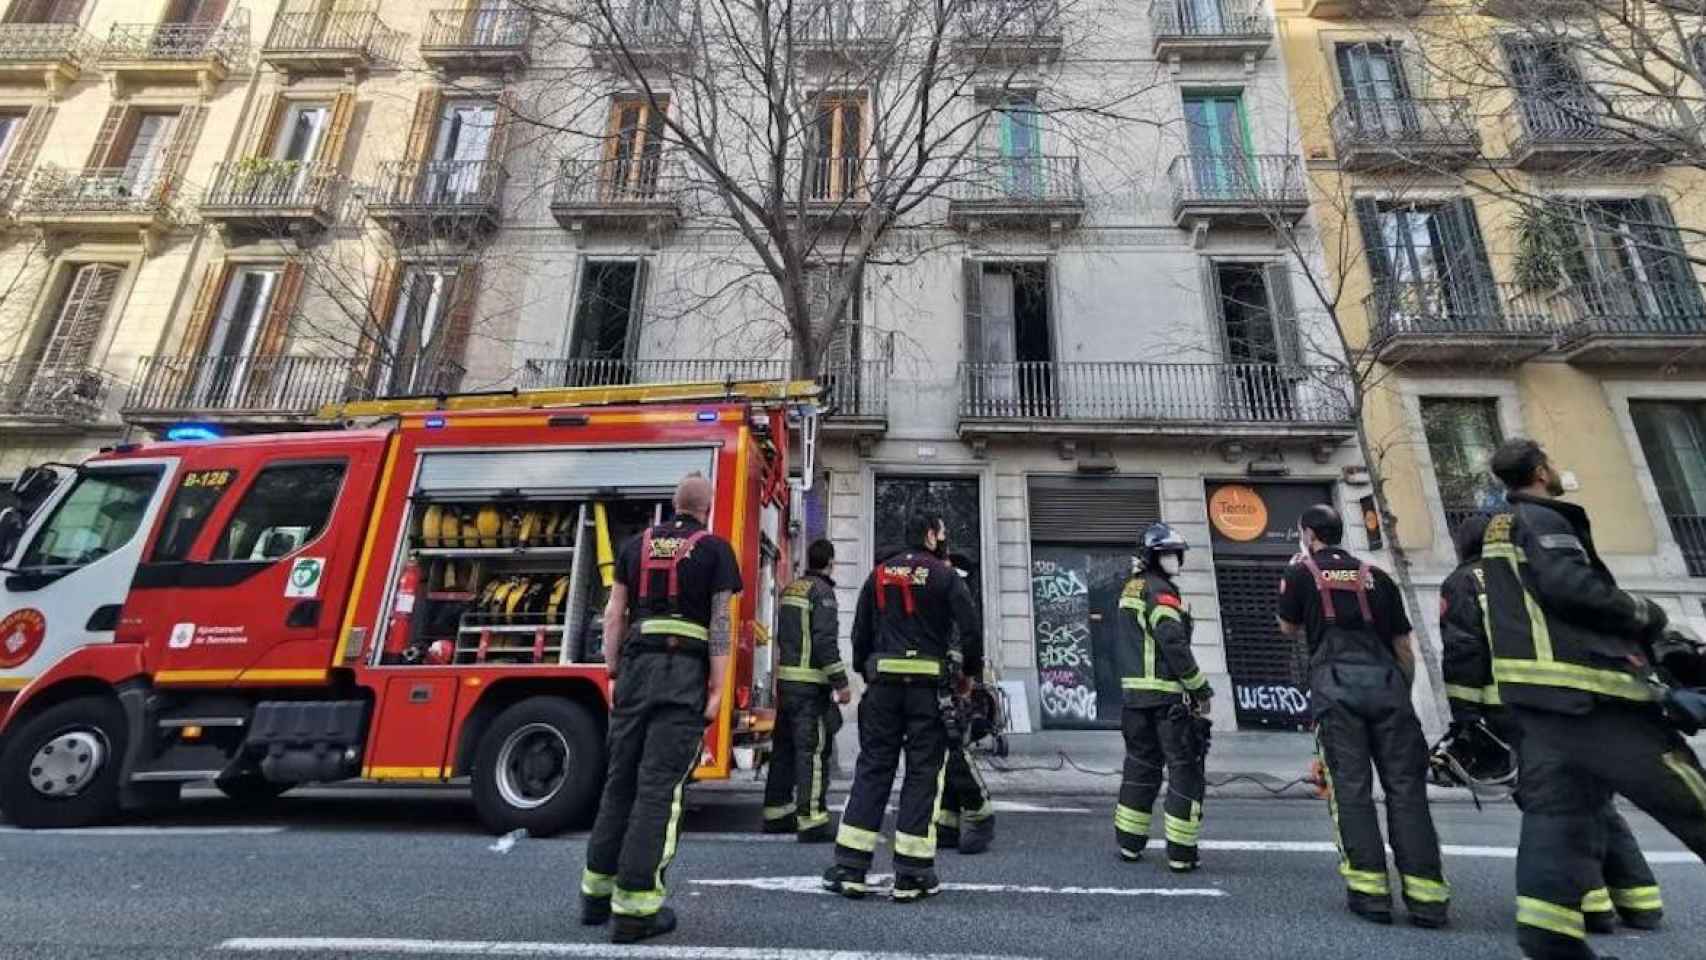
(539, 767)
(61, 767)
(251, 789)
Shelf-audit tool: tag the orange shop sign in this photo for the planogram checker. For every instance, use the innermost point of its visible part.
(1238, 512)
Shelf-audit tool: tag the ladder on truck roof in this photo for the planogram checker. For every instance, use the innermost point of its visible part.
(784, 391)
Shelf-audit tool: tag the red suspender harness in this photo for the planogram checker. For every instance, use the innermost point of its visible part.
(650, 563)
(1325, 588)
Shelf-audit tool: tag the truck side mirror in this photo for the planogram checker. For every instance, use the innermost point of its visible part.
(11, 531)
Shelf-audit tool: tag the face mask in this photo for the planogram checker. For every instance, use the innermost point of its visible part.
(1554, 483)
(941, 549)
(1170, 563)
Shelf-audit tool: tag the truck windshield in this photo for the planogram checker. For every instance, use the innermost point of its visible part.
(100, 514)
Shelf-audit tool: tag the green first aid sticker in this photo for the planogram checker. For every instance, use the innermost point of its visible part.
(305, 576)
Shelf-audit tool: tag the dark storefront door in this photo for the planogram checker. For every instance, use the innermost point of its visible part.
(955, 498)
(1075, 593)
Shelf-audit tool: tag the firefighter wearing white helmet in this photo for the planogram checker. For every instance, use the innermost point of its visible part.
(1166, 706)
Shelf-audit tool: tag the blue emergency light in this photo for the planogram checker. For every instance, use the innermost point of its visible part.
(182, 432)
(707, 416)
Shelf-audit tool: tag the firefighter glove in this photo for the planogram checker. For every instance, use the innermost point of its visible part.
(1686, 709)
(1681, 655)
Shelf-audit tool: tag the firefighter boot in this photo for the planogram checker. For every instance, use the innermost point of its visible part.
(783, 824)
(846, 881)
(1371, 908)
(822, 833)
(1642, 919)
(975, 836)
(595, 911)
(634, 929)
(912, 887)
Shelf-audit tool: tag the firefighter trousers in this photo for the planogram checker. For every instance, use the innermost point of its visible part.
(1628, 887)
(657, 728)
(965, 797)
(895, 717)
(1571, 766)
(806, 721)
(1381, 735)
(1160, 738)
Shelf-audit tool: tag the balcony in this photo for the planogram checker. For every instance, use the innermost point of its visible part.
(47, 53)
(1009, 31)
(240, 389)
(1405, 133)
(139, 54)
(644, 33)
(273, 197)
(638, 194)
(99, 203)
(1020, 192)
(1584, 131)
(321, 42)
(484, 39)
(1626, 322)
(833, 189)
(1237, 190)
(445, 198)
(1184, 401)
(1690, 532)
(1362, 9)
(51, 395)
(1440, 322)
(1209, 30)
(840, 31)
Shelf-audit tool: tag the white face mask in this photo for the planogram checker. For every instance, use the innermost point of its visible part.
(1170, 564)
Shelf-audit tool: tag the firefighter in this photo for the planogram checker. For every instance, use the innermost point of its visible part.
(1573, 659)
(1361, 668)
(1626, 886)
(666, 644)
(903, 633)
(966, 819)
(1165, 695)
(811, 681)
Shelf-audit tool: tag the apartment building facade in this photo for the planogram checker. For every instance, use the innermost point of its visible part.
(1516, 240)
(1092, 323)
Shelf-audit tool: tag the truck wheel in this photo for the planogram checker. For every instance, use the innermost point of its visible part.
(538, 767)
(61, 767)
(251, 789)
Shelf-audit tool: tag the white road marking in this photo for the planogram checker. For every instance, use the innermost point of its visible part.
(882, 881)
(1449, 850)
(145, 831)
(1001, 806)
(500, 948)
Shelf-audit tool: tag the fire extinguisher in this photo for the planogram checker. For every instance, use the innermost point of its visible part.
(402, 612)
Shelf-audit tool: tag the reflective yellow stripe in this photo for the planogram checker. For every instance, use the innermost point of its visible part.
(815, 812)
(832, 669)
(1163, 612)
(1423, 890)
(595, 884)
(1549, 916)
(1553, 673)
(856, 838)
(948, 818)
(675, 628)
(644, 903)
(636, 903)
(799, 603)
(1637, 898)
(910, 666)
(1150, 683)
(1539, 632)
(907, 845)
(1131, 603)
(1181, 831)
(1365, 881)
(1680, 763)
(1195, 681)
(1597, 901)
(1131, 821)
(801, 675)
(779, 813)
(1488, 694)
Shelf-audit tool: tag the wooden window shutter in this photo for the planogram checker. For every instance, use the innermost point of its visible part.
(424, 123)
(206, 304)
(503, 116)
(972, 272)
(82, 314)
(276, 328)
(177, 159)
(101, 152)
(636, 311)
(382, 305)
(1373, 242)
(1214, 309)
(337, 131)
(452, 345)
(1290, 340)
(29, 141)
(265, 136)
(64, 11)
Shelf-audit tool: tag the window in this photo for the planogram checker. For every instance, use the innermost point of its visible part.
(607, 322)
(1219, 137)
(1428, 261)
(300, 131)
(286, 508)
(412, 348)
(1377, 95)
(242, 316)
(838, 337)
(1259, 338)
(1462, 433)
(45, 11)
(1009, 337)
(460, 152)
(634, 150)
(1012, 145)
(11, 125)
(81, 315)
(195, 11)
(834, 169)
(1628, 262)
(1553, 98)
(191, 505)
(1673, 439)
(100, 515)
(143, 156)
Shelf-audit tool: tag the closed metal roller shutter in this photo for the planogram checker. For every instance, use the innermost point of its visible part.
(644, 472)
(1270, 672)
(1093, 509)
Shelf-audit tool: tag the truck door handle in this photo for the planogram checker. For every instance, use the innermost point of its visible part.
(420, 694)
(306, 613)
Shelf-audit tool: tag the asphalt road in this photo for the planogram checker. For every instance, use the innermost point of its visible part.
(380, 874)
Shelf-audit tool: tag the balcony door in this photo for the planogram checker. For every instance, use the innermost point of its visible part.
(230, 346)
(413, 352)
(1673, 439)
(1259, 340)
(607, 322)
(1219, 136)
(60, 381)
(833, 168)
(137, 158)
(1629, 268)
(635, 150)
(297, 142)
(492, 23)
(1376, 91)
(1009, 339)
(1554, 98)
(1012, 147)
(45, 11)
(1430, 267)
(460, 153)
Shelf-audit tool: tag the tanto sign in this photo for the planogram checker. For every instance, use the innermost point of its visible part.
(21, 634)
(1238, 512)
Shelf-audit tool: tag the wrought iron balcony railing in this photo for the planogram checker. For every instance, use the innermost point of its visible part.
(70, 393)
(42, 42)
(641, 25)
(222, 43)
(1401, 123)
(1588, 121)
(1208, 19)
(485, 26)
(258, 183)
(1246, 179)
(1005, 21)
(1231, 394)
(1629, 308)
(840, 23)
(429, 376)
(439, 184)
(1438, 308)
(1018, 180)
(642, 181)
(353, 32)
(833, 179)
(856, 389)
(251, 384)
(1690, 531)
(114, 190)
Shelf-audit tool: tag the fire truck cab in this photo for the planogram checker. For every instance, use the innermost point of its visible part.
(414, 601)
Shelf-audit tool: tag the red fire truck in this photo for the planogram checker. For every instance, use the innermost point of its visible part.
(413, 601)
